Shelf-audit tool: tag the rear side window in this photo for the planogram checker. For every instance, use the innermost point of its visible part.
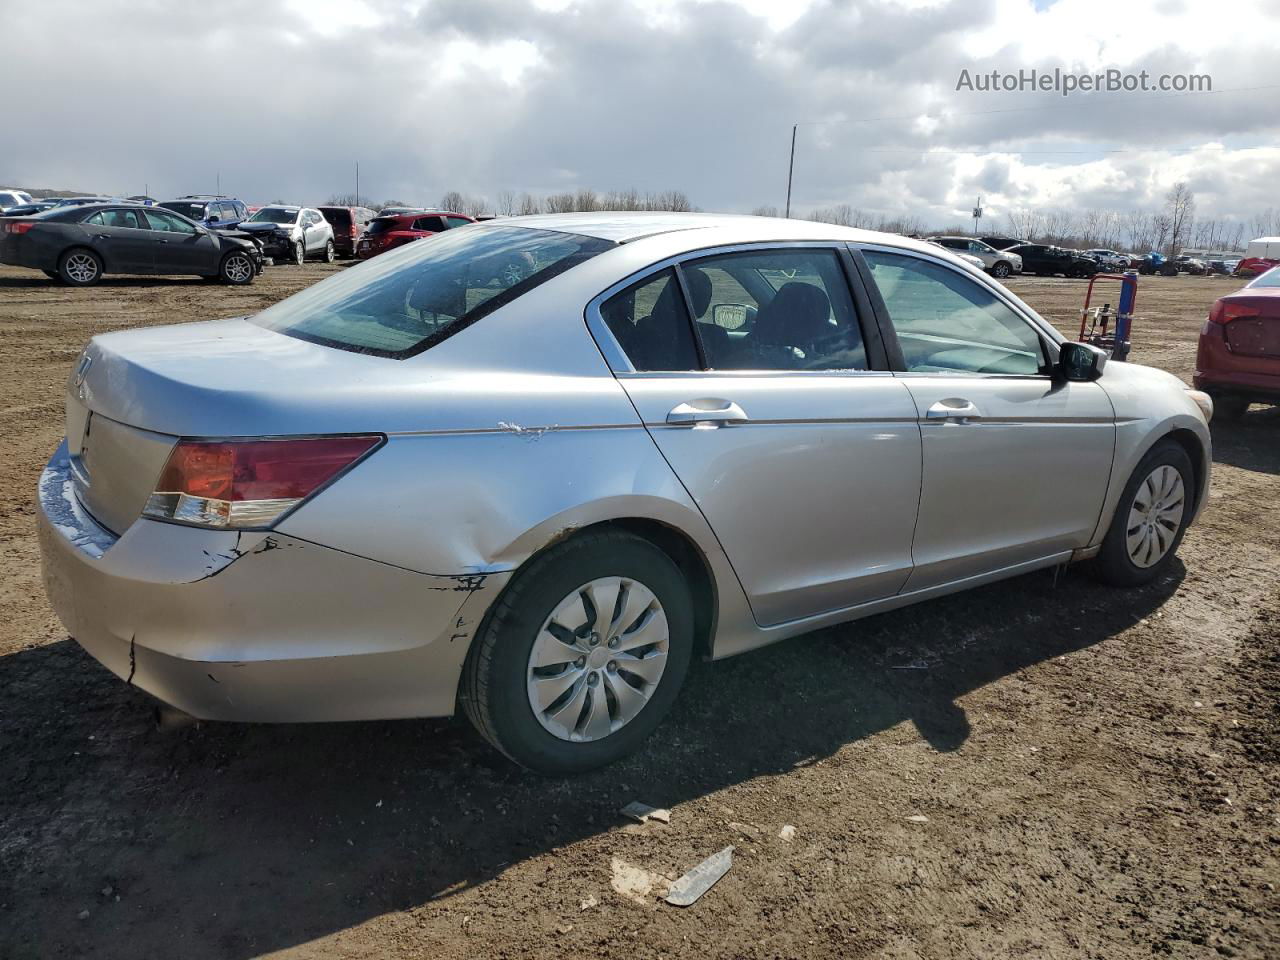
(429, 223)
(947, 323)
(458, 221)
(338, 217)
(651, 324)
(117, 218)
(381, 225)
(406, 301)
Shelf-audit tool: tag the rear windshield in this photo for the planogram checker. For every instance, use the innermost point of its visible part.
(408, 300)
(338, 216)
(381, 225)
(193, 210)
(1269, 279)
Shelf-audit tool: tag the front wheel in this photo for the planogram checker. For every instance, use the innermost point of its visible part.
(1000, 270)
(1150, 518)
(330, 252)
(582, 655)
(80, 268)
(236, 269)
(299, 253)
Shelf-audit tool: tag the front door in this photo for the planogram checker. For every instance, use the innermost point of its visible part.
(1015, 463)
(804, 460)
(180, 247)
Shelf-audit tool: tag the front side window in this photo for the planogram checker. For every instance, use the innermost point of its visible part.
(775, 310)
(168, 223)
(457, 221)
(412, 298)
(947, 323)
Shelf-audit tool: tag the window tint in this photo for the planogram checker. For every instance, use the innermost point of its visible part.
(116, 218)
(775, 310)
(457, 221)
(429, 223)
(948, 323)
(168, 223)
(651, 324)
(407, 300)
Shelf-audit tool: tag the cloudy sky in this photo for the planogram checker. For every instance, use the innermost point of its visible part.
(280, 98)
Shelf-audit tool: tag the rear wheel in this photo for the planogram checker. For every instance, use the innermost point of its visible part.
(236, 269)
(80, 268)
(582, 655)
(1150, 518)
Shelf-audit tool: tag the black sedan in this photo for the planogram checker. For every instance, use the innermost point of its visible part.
(1039, 258)
(77, 245)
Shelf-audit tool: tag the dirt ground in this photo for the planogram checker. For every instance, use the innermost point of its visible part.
(1043, 768)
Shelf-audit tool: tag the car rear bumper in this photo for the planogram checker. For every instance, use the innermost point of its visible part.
(255, 626)
(1261, 385)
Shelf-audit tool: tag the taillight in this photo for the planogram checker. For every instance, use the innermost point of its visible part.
(18, 227)
(242, 484)
(351, 231)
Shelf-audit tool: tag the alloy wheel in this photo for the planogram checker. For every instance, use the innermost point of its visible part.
(597, 659)
(1155, 516)
(82, 268)
(238, 269)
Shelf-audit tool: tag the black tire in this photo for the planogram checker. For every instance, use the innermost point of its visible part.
(493, 688)
(236, 269)
(1229, 408)
(1168, 270)
(1001, 270)
(1114, 565)
(80, 267)
(299, 252)
(330, 252)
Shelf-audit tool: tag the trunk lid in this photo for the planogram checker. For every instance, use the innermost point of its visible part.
(1259, 335)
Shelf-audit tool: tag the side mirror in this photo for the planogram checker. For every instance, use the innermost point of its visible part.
(1079, 362)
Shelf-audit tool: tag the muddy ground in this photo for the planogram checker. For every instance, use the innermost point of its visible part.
(1040, 768)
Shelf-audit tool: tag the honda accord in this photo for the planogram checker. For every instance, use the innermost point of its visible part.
(530, 468)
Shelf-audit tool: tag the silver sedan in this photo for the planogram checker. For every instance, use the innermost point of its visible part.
(531, 467)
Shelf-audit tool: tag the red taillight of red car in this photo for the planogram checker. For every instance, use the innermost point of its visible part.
(18, 228)
(1224, 311)
(352, 232)
(242, 484)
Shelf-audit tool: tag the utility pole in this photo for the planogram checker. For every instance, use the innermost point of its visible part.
(791, 167)
(218, 191)
(357, 183)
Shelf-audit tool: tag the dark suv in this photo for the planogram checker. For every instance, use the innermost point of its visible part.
(217, 213)
(348, 224)
(1043, 259)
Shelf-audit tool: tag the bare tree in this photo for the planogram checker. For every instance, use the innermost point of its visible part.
(766, 211)
(1180, 208)
(473, 206)
(453, 201)
(529, 205)
(506, 205)
(560, 203)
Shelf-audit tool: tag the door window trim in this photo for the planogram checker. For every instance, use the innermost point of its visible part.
(1050, 338)
(878, 361)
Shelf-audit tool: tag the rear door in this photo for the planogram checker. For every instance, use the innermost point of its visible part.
(762, 385)
(1015, 463)
(123, 239)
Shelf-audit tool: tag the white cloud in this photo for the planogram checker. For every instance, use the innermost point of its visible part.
(698, 95)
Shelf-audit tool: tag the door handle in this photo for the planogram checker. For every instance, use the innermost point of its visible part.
(953, 408)
(707, 410)
(162, 241)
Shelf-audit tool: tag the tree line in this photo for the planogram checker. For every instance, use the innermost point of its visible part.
(1170, 229)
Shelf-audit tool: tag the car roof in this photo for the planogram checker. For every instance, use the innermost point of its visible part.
(624, 227)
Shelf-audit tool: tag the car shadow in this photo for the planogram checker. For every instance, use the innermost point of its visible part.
(1252, 442)
(45, 283)
(233, 841)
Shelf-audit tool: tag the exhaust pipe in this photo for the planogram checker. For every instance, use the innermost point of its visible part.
(169, 719)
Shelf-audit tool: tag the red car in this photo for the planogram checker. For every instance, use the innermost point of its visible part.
(387, 233)
(1238, 360)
